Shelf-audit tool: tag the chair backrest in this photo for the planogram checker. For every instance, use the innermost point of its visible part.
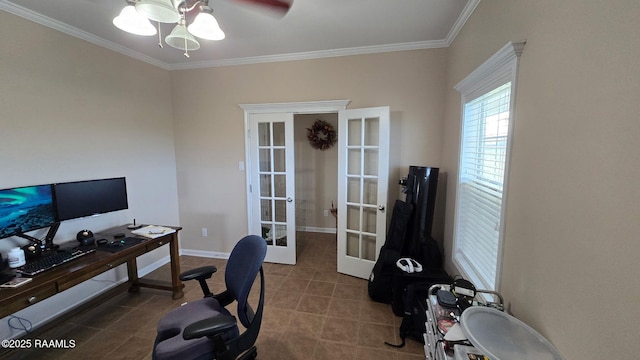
(242, 268)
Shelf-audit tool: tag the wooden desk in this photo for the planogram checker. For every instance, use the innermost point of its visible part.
(60, 278)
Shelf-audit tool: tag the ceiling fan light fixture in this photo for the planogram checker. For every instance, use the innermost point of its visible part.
(131, 21)
(206, 26)
(181, 39)
(159, 10)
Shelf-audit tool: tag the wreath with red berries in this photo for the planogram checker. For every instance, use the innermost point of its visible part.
(321, 135)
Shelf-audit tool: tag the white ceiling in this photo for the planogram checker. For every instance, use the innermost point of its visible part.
(311, 29)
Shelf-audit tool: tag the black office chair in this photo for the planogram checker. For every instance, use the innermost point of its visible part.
(205, 329)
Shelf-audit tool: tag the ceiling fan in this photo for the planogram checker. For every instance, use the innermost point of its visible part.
(194, 18)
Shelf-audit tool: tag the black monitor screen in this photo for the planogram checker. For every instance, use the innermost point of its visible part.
(86, 198)
(25, 209)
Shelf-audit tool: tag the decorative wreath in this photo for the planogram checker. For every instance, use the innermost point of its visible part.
(321, 135)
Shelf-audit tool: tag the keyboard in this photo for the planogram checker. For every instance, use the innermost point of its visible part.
(50, 261)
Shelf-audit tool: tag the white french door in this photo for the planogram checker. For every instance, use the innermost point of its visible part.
(363, 140)
(272, 182)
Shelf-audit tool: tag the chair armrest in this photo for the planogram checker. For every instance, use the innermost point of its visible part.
(209, 327)
(200, 273)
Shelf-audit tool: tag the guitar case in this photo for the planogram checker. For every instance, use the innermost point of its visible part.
(381, 279)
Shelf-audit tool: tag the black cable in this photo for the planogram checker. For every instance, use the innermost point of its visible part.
(396, 345)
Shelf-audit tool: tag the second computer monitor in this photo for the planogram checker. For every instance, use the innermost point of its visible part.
(87, 198)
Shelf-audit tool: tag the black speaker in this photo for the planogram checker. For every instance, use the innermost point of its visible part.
(85, 237)
(33, 251)
(421, 187)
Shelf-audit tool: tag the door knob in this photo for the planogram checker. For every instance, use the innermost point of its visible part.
(289, 199)
(381, 207)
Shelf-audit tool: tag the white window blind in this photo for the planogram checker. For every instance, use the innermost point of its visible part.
(482, 171)
(481, 181)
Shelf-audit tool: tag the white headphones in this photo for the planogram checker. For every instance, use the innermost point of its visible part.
(408, 265)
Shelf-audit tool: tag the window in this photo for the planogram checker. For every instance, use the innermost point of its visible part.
(487, 121)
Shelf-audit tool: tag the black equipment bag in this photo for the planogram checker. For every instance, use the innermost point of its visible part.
(380, 280)
(432, 273)
(415, 313)
(402, 283)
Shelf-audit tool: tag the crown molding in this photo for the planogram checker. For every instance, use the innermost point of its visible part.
(310, 55)
(462, 19)
(75, 32)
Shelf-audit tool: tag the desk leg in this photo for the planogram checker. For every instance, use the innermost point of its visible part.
(175, 269)
(132, 271)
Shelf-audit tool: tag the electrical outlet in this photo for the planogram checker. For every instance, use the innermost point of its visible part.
(326, 213)
(204, 232)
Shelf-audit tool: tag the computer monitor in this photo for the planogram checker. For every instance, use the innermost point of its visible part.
(92, 197)
(24, 209)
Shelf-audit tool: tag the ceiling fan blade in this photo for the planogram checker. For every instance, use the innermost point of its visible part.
(279, 5)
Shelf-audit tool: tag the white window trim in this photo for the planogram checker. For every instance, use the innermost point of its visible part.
(500, 68)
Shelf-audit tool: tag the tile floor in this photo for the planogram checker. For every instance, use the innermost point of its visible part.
(311, 312)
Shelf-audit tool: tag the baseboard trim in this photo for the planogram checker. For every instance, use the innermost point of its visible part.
(223, 255)
(205, 254)
(317, 229)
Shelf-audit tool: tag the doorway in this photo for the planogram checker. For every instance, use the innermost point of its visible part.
(362, 173)
(269, 142)
(316, 178)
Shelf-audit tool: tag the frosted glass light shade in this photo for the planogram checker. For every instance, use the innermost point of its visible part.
(159, 10)
(180, 37)
(205, 26)
(131, 21)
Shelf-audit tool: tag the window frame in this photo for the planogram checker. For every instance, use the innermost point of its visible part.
(499, 69)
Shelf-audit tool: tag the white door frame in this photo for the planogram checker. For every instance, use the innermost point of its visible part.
(310, 107)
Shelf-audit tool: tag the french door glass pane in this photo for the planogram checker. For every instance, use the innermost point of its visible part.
(265, 159)
(355, 133)
(278, 134)
(265, 185)
(281, 210)
(281, 235)
(264, 134)
(353, 218)
(371, 128)
(353, 162)
(353, 245)
(266, 232)
(370, 162)
(370, 191)
(279, 160)
(265, 210)
(368, 247)
(280, 185)
(353, 190)
(276, 232)
(369, 216)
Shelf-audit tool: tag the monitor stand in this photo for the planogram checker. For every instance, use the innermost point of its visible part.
(48, 239)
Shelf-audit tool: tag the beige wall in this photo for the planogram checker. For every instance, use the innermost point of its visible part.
(571, 247)
(71, 111)
(209, 125)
